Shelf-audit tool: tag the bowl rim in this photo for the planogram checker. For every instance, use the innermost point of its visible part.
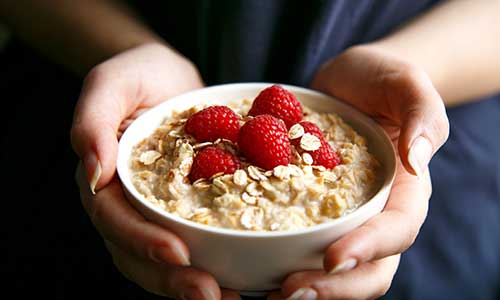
(123, 169)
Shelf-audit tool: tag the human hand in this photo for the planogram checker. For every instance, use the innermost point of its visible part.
(401, 98)
(113, 94)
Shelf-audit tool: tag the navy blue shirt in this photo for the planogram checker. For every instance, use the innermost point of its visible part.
(457, 253)
(275, 41)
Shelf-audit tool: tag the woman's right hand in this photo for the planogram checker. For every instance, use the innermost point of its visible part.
(113, 94)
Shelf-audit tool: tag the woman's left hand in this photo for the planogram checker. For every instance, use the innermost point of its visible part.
(401, 98)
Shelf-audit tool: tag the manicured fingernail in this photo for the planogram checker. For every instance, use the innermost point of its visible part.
(419, 155)
(207, 294)
(183, 257)
(94, 170)
(161, 254)
(197, 293)
(304, 294)
(344, 266)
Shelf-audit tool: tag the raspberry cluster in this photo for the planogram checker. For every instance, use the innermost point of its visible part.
(263, 140)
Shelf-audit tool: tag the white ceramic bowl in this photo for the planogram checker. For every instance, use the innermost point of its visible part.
(257, 261)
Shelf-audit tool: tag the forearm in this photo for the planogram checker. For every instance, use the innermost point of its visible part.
(78, 34)
(457, 43)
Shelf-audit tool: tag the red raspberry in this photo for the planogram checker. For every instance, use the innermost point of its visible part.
(278, 102)
(324, 156)
(310, 127)
(212, 123)
(264, 142)
(212, 160)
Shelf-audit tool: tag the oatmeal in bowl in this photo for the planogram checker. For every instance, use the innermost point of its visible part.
(257, 179)
(249, 166)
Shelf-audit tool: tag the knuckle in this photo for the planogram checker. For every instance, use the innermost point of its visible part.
(385, 285)
(415, 113)
(293, 280)
(166, 240)
(150, 249)
(373, 230)
(404, 80)
(94, 210)
(119, 266)
(334, 291)
(442, 127)
(96, 74)
(412, 74)
(76, 132)
(164, 288)
(409, 237)
(410, 228)
(117, 259)
(126, 267)
(203, 277)
(182, 280)
(406, 73)
(79, 126)
(383, 289)
(428, 189)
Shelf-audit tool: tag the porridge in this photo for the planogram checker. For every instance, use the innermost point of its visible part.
(294, 174)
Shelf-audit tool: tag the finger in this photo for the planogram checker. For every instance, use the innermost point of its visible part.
(227, 294)
(118, 222)
(424, 124)
(178, 282)
(99, 112)
(367, 281)
(390, 232)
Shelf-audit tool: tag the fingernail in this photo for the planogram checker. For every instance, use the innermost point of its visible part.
(304, 294)
(182, 257)
(420, 155)
(94, 170)
(197, 293)
(344, 266)
(207, 294)
(164, 254)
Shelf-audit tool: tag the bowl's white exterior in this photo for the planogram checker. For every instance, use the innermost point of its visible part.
(256, 261)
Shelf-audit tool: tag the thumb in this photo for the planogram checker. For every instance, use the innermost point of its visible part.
(424, 127)
(97, 118)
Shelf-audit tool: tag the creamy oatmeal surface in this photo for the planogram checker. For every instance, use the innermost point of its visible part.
(288, 197)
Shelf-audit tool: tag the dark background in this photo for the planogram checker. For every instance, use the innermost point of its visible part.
(52, 247)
